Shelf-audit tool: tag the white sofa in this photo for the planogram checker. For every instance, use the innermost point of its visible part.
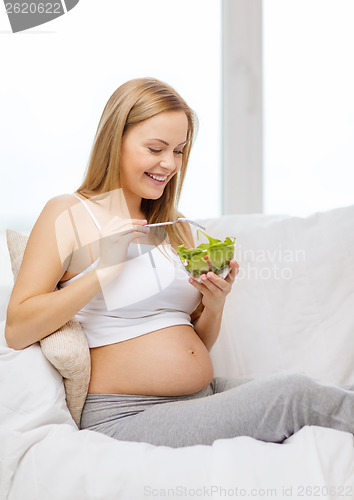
(291, 308)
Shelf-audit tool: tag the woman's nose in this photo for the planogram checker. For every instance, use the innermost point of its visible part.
(168, 162)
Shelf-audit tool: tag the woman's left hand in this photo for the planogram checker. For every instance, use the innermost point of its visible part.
(214, 288)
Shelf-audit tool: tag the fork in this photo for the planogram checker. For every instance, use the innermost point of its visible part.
(180, 219)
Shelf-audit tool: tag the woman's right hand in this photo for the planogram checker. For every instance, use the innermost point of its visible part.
(114, 240)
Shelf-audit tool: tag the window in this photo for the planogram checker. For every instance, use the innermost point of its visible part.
(308, 77)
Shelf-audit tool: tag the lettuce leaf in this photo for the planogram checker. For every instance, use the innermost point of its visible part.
(213, 256)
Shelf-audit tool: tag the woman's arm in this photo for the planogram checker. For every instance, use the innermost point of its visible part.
(207, 327)
(197, 313)
(35, 310)
(36, 317)
(214, 290)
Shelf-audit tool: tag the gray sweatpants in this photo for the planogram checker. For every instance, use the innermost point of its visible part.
(269, 409)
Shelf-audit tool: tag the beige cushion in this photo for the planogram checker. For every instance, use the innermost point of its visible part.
(67, 348)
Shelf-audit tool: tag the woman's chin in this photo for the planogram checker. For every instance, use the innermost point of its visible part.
(152, 197)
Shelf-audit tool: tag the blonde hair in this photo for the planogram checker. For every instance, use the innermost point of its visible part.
(133, 102)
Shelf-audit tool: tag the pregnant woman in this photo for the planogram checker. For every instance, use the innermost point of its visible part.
(149, 327)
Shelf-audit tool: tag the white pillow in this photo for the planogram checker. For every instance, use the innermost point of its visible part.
(67, 348)
(32, 390)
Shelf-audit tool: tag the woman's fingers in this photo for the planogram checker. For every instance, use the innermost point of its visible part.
(116, 236)
(212, 281)
(230, 278)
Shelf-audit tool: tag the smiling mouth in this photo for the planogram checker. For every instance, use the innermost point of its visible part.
(158, 180)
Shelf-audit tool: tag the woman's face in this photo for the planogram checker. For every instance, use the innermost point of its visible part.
(153, 147)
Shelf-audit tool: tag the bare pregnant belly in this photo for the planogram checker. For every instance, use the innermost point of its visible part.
(168, 362)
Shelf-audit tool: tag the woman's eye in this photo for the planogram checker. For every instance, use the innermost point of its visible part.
(159, 151)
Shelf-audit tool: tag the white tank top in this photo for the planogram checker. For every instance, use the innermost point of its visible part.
(150, 293)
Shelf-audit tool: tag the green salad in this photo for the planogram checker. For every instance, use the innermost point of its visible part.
(213, 256)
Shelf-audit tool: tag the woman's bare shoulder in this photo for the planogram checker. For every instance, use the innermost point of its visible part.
(56, 208)
(61, 201)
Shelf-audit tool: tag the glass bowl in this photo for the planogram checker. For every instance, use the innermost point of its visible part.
(207, 257)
